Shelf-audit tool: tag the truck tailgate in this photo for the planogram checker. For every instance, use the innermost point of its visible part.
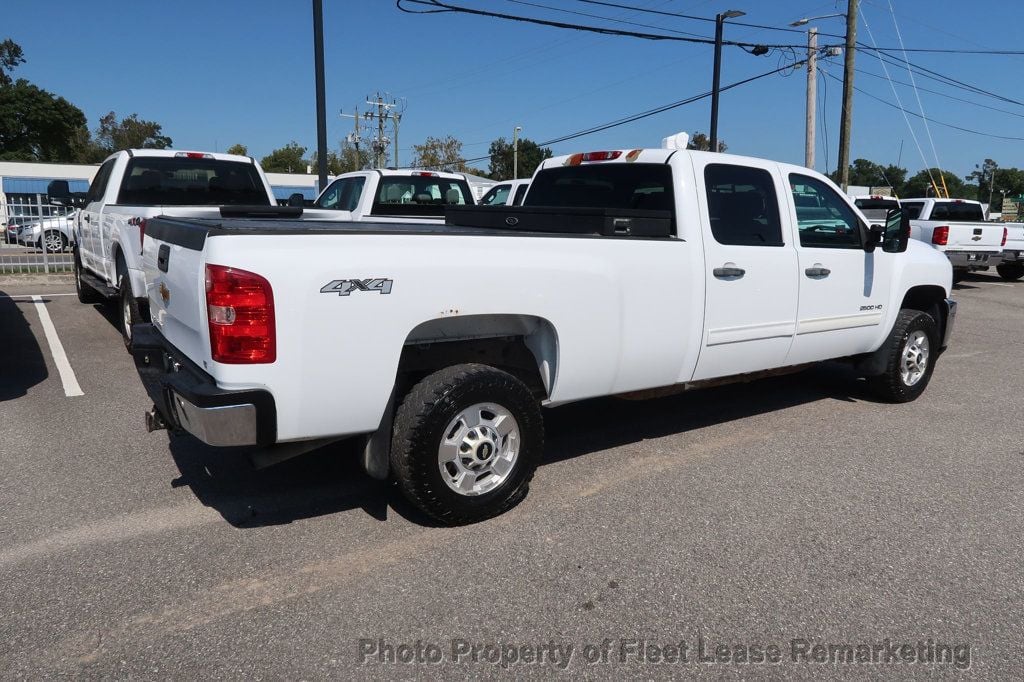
(975, 237)
(176, 287)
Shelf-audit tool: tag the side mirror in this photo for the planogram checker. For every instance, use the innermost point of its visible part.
(296, 199)
(897, 231)
(59, 192)
(875, 235)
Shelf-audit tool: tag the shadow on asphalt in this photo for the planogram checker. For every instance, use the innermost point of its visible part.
(22, 364)
(331, 480)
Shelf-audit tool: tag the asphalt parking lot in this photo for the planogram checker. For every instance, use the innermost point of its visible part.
(786, 513)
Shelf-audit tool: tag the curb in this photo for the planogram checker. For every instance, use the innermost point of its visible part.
(9, 280)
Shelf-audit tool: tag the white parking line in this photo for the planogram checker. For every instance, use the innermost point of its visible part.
(34, 296)
(60, 358)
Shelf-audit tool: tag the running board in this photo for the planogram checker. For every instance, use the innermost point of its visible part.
(99, 285)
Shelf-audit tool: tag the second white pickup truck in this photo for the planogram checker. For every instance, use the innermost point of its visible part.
(957, 228)
(131, 187)
(388, 195)
(630, 270)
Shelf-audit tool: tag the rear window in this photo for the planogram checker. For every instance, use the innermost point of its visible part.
(175, 181)
(876, 208)
(912, 209)
(957, 211)
(640, 186)
(413, 195)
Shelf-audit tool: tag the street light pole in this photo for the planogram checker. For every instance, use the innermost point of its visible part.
(515, 152)
(719, 23)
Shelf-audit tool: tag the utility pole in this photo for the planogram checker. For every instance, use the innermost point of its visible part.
(812, 96)
(715, 87)
(846, 120)
(384, 112)
(354, 138)
(321, 98)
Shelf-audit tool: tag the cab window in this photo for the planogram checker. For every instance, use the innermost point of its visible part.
(912, 208)
(343, 194)
(742, 205)
(99, 183)
(496, 196)
(823, 219)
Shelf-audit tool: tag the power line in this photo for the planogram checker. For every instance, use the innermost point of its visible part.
(932, 120)
(650, 112)
(943, 94)
(442, 7)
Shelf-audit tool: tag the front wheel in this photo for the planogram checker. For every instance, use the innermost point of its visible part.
(911, 349)
(1011, 271)
(86, 294)
(466, 442)
(129, 309)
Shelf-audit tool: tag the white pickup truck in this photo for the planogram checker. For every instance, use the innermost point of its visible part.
(957, 228)
(133, 186)
(1011, 265)
(391, 195)
(633, 272)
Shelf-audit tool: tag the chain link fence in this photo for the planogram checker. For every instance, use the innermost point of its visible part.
(37, 237)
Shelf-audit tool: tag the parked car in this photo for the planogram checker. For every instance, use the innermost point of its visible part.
(1011, 266)
(54, 234)
(626, 272)
(506, 193)
(134, 185)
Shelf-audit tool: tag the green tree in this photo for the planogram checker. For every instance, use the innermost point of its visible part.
(439, 154)
(10, 57)
(352, 159)
(36, 125)
(129, 133)
(239, 149)
(335, 166)
(530, 156)
(983, 176)
(920, 185)
(702, 143)
(287, 159)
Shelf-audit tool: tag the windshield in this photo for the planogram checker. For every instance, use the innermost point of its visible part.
(177, 181)
(643, 186)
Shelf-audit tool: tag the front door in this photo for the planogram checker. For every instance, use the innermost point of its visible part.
(89, 247)
(751, 269)
(843, 289)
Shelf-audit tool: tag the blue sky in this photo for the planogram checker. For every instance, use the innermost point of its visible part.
(223, 71)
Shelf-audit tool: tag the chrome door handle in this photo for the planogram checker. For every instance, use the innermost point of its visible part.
(817, 271)
(728, 271)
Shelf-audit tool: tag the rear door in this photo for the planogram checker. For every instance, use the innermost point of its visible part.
(751, 268)
(842, 288)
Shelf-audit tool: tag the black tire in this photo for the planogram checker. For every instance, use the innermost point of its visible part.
(128, 309)
(1011, 271)
(420, 426)
(895, 385)
(86, 294)
(959, 274)
(58, 237)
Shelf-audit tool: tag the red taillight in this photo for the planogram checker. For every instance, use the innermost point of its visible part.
(941, 235)
(240, 307)
(142, 233)
(193, 155)
(1004, 237)
(601, 156)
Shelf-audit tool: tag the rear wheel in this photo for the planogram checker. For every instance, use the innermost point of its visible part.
(959, 274)
(911, 349)
(1011, 271)
(129, 309)
(86, 294)
(53, 241)
(466, 442)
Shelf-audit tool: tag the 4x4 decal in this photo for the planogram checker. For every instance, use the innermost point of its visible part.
(344, 287)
